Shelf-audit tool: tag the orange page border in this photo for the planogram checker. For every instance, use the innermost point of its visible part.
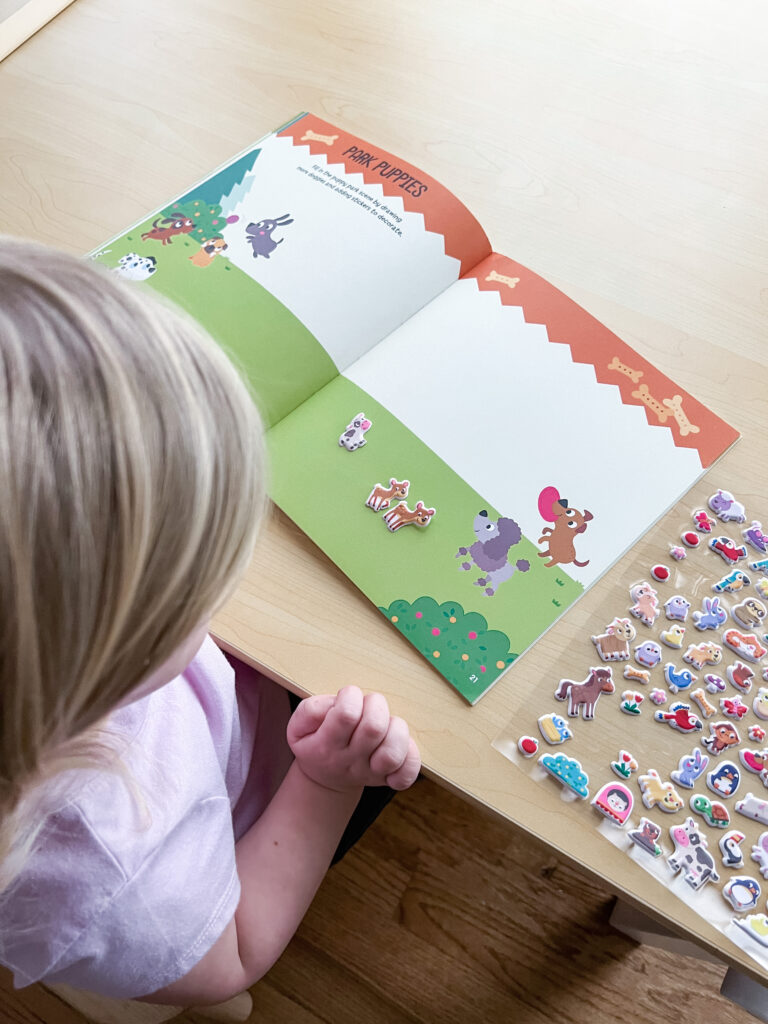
(591, 342)
(443, 213)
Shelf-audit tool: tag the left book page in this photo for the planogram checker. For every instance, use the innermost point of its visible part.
(301, 254)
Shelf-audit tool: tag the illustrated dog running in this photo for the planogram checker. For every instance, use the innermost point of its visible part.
(164, 229)
(559, 538)
(490, 550)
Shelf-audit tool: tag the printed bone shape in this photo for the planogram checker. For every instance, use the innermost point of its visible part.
(616, 364)
(310, 136)
(503, 279)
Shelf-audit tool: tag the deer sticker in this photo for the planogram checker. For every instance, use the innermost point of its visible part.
(401, 516)
(381, 497)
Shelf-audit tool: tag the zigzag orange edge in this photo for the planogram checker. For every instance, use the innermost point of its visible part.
(443, 213)
(639, 382)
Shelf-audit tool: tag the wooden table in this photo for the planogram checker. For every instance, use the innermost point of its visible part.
(618, 149)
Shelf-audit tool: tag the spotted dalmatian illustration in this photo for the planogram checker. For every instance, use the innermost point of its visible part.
(136, 268)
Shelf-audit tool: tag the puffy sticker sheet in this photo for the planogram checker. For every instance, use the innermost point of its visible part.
(671, 766)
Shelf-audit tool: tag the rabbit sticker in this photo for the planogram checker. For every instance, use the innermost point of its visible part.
(260, 238)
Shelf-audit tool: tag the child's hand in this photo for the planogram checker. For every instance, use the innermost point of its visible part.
(349, 741)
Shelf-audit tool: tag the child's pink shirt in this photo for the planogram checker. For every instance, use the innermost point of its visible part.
(121, 901)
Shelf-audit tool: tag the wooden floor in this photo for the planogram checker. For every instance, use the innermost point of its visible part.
(443, 916)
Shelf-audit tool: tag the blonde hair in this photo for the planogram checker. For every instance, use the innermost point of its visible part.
(131, 489)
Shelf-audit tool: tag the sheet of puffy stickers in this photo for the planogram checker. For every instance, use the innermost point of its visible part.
(677, 676)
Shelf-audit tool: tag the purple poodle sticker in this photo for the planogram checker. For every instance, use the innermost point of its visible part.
(490, 550)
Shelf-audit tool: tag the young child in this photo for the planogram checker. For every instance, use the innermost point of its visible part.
(164, 825)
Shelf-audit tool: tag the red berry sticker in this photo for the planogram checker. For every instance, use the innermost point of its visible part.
(527, 746)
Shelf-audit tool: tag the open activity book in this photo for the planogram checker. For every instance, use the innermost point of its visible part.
(467, 444)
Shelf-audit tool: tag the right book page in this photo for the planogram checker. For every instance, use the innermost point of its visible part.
(544, 444)
(523, 393)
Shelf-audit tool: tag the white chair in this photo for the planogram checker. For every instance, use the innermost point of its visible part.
(102, 1010)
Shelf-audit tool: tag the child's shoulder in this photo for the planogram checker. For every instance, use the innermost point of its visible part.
(170, 755)
(106, 901)
(67, 881)
(127, 848)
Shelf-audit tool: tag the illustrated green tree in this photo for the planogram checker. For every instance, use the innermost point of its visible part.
(202, 203)
(221, 184)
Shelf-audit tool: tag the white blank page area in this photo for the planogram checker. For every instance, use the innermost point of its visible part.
(511, 413)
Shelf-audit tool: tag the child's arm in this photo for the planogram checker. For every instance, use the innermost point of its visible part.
(340, 744)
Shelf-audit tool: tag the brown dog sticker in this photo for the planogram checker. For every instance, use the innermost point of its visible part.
(567, 524)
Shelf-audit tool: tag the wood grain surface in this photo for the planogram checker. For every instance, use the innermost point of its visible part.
(617, 149)
(444, 915)
(20, 19)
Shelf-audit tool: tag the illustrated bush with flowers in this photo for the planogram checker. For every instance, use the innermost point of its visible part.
(207, 217)
(458, 643)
